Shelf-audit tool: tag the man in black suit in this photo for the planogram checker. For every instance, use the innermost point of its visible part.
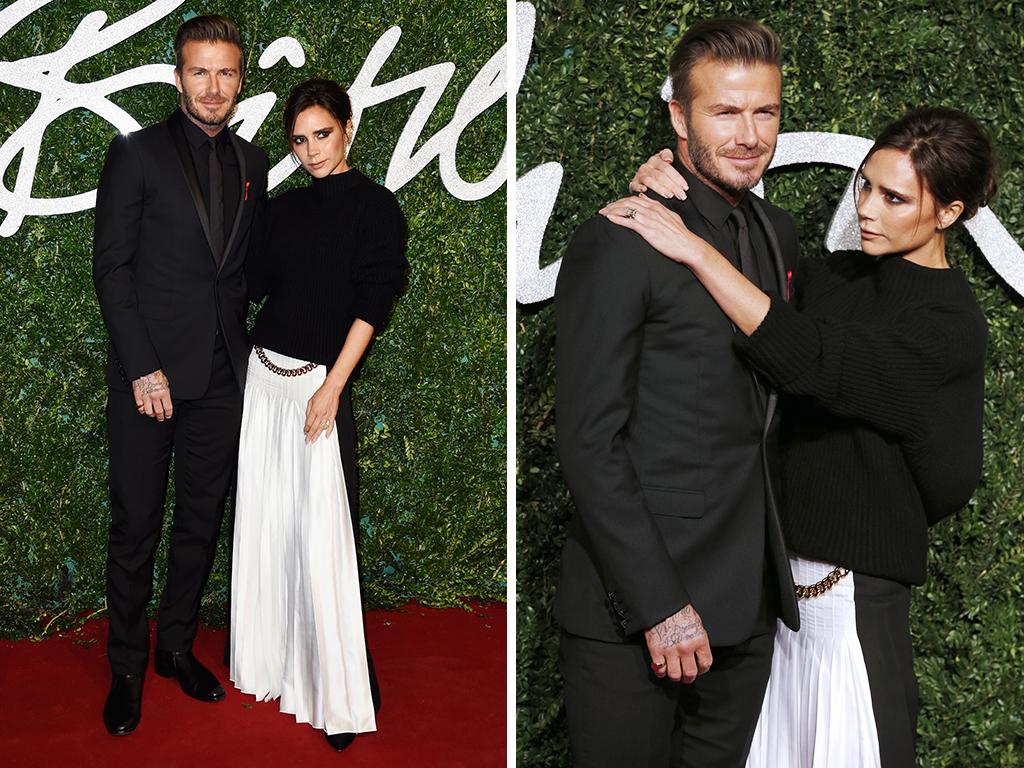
(674, 569)
(174, 208)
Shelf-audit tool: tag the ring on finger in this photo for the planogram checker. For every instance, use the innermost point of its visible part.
(631, 212)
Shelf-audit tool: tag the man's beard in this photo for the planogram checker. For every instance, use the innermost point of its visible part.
(193, 111)
(703, 158)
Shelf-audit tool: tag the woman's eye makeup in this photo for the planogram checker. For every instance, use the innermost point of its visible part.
(323, 134)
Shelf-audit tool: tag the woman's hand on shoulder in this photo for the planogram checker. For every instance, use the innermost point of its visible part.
(658, 175)
(321, 411)
(663, 229)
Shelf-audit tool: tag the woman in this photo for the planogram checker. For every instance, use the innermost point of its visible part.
(883, 367)
(331, 263)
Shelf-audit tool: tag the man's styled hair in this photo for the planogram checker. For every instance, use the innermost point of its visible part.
(207, 29)
(729, 41)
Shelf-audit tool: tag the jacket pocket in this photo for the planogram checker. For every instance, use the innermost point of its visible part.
(673, 502)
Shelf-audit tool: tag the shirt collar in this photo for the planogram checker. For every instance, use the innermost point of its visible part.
(712, 206)
(196, 136)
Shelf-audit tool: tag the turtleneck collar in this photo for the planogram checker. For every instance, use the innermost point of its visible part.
(337, 183)
(899, 275)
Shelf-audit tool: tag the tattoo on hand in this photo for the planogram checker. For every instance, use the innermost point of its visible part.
(680, 627)
(150, 383)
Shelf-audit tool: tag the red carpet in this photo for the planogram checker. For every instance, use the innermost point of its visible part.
(442, 680)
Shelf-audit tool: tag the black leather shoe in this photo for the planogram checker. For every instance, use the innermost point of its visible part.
(123, 710)
(195, 679)
(340, 741)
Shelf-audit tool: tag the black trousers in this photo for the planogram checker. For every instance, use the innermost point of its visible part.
(883, 628)
(621, 716)
(345, 425)
(203, 436)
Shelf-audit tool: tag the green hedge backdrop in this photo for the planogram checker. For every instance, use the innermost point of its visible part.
(430, 404)
(590, 100)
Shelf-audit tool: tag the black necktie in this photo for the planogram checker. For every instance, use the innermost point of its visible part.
(750, 270)
(748, 261)
(216, 203)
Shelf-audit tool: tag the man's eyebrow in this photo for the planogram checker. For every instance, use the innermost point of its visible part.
(725, 107)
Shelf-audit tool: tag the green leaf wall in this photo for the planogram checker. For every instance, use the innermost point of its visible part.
(430, 403)
(590, 100)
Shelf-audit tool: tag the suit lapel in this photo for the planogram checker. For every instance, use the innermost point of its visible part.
(236, 146)
(780, 282)
(188, 168)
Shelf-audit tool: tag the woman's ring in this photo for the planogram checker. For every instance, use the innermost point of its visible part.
(325, 425)
(631, 213)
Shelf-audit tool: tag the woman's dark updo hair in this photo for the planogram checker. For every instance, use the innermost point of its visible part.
(950, 152)
(316, 93)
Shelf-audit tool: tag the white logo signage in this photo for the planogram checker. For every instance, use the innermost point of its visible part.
(46, 74)
(537, 190)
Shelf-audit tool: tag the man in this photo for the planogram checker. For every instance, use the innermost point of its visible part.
(174, 208)
(674, 569)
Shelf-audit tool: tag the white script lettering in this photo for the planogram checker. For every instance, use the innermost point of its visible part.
(537, 190)
(46, 74)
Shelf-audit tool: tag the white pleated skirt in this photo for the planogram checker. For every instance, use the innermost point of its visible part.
(817, 709)
(296, 613)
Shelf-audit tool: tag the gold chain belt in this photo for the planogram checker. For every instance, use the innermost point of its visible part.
(278, 369)
(821, 587)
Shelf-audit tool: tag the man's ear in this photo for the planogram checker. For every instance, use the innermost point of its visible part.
(177, 79)
(675, 110)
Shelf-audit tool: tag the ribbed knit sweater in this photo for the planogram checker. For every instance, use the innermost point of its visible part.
(882, 371)
(329, 253)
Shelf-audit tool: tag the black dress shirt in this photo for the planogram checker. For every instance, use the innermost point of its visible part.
(199, 146)
(715, 210)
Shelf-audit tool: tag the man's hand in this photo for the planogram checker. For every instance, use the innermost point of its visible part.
(679, 646)
(153, 395)
(658, 175)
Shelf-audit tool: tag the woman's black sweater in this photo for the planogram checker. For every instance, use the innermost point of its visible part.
(882, 372)
(328, 253)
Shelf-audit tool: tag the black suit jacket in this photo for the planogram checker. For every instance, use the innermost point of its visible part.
(162, 290)
(668, 473)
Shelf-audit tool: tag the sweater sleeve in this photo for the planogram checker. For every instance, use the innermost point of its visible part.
(880, 373)
(381, 265)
